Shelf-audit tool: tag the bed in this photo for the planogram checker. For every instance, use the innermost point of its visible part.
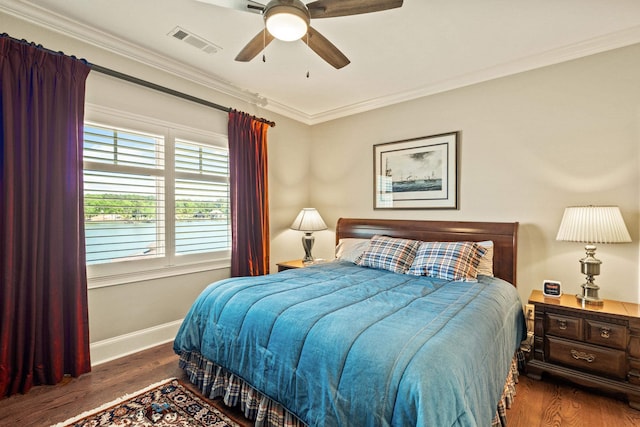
(350, 343)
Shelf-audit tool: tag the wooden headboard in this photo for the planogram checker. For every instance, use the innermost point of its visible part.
(503, 234)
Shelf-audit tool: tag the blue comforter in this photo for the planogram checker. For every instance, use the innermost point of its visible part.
(338, 344)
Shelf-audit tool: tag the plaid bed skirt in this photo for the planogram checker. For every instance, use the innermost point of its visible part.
(214, 381)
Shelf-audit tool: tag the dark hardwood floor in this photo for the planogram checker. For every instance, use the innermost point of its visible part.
(46, 405)
(538, 403)
(554, 402)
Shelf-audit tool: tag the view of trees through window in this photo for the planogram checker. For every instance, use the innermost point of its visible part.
(126, 202)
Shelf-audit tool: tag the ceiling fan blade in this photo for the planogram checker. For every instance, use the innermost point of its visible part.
(325, 49)
(334, 8)
(255, 46)
(244, 5)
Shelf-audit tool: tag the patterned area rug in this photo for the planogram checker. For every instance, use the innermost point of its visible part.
(168, 403)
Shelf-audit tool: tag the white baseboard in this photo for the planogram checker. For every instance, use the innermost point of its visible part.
(123, 345)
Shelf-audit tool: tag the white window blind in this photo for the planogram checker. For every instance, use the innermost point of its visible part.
(123, 195)
(201, 198)
(154, 197)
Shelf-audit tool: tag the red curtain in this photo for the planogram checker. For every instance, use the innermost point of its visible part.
(44, 332)
(249, 195)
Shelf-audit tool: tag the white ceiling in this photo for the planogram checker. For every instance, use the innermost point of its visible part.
(425, 47)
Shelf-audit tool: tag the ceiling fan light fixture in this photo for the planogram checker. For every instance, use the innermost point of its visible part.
(287, 22)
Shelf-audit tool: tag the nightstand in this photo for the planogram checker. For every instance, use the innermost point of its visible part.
(288, 265)
(297, 263)
(593, 346)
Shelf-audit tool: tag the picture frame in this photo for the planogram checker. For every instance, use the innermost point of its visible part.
(418, 173)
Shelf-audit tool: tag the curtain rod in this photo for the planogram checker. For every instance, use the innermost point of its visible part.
(140, 82)
(166, 90)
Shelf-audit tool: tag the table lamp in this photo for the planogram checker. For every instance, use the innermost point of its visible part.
(592, 224)
(308, 220)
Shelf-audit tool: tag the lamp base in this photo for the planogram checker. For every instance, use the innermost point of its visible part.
(589, 300)
(590, 293)
(590, 266)
(307, 244)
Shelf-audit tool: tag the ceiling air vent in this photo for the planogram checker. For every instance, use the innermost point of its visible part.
(193, 40)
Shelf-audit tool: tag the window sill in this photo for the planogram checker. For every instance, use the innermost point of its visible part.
(156, 273)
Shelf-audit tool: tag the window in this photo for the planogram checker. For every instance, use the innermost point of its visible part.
(123, 194)
(202, 198)
(153, 200)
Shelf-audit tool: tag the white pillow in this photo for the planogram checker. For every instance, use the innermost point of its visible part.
(485, 267)
(351, 249)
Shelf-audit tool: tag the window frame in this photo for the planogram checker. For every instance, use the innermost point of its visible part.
(121, 272)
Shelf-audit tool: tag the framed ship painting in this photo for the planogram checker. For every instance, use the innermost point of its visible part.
(419, 173)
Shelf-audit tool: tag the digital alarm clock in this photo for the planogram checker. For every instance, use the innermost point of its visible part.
(551, 288)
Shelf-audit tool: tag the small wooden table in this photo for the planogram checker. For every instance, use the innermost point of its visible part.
(298, 263)
(592, 345)
(288, 265)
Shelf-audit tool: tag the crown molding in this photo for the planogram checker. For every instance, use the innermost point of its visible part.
(39, 16)
(29, 12)
(582, 49)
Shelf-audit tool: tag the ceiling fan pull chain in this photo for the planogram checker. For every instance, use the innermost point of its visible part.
(264, 44)
(289, 20)
(307, 35)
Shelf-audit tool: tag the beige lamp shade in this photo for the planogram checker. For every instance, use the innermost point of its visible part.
(593, 224)
(308, 220)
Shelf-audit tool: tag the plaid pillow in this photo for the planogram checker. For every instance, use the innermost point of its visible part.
(389, 253)
(448, 260)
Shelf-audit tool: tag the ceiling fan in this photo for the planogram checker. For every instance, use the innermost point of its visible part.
(289, 20)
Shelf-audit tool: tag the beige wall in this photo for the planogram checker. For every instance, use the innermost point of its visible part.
(531, 144)
(116, 311)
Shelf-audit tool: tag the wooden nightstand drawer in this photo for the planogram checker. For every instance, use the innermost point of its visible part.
(564, 326)
(592, 345)
(610, 335)
(588, 357)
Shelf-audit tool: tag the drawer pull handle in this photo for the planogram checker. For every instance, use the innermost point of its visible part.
(581, 355)
(605, 332)
(562, 324)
